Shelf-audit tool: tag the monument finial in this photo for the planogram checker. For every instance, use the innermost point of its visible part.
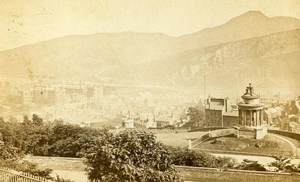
(250, 94)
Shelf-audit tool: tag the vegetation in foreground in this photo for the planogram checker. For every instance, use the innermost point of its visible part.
(128, 155)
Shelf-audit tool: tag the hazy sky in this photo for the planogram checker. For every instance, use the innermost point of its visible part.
(30, 21)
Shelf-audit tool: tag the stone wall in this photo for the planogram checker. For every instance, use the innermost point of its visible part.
(230, 121)
(217, 175)
(295, 136)
(213, 117)
(220, 133)
(245, 133)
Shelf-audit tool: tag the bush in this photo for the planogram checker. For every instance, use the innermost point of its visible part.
(284, 164)
(250, 165)
(187, 157)
(129, 156)
(59, 179)
(71, 140)
(9, 152)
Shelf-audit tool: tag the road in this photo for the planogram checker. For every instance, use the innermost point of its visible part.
(261, 159)
(292, 145)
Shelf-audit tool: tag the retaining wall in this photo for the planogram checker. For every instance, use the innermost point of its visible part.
(295, 136)
(217, 175)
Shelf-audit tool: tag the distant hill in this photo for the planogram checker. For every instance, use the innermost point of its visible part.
(250, 47)
(84, 57)
(248, 25)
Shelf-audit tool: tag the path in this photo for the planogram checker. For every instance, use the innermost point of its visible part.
(292, 145)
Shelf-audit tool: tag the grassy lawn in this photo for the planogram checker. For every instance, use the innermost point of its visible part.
(67, 168)
(267, 146)
(178, 139)
(294, 141)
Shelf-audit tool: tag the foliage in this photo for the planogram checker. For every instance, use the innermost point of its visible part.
(71, 140)
(196, 117)
(59, 179)
(185, 157)
(8, 151)
(26, 167)
(36, 137)
(129, 156)
(284, 164)
(250, 165)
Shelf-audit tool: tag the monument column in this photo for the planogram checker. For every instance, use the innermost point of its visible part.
(251, 118)
(262, 116)
(256, 112)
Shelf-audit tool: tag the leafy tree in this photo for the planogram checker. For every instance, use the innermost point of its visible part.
(129, 156)
(34, 136)
(8, 152)
(26, 120)
(196, 116)
(71, 140)
(36, 120)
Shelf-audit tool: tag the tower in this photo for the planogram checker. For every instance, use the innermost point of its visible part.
(251, 113)
(250, 110)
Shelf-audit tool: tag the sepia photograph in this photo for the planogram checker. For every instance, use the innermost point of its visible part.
(149, 90)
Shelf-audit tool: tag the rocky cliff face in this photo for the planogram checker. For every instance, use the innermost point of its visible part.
(260, 59)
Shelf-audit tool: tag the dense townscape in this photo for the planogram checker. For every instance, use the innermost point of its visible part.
(149, 91)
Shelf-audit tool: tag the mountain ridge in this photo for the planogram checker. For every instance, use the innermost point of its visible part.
(156, 58)
(240, 18)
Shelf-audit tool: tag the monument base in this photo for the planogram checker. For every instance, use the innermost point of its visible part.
(251, 132)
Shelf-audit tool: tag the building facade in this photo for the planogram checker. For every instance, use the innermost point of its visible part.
(217, 114)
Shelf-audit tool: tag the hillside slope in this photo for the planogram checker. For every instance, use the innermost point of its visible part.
(250, 47)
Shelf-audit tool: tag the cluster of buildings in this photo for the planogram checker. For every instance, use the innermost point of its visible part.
(250, 116)
(91, 103)
(252, 113)
(153, 121)
(247, 116)
(60, 99)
